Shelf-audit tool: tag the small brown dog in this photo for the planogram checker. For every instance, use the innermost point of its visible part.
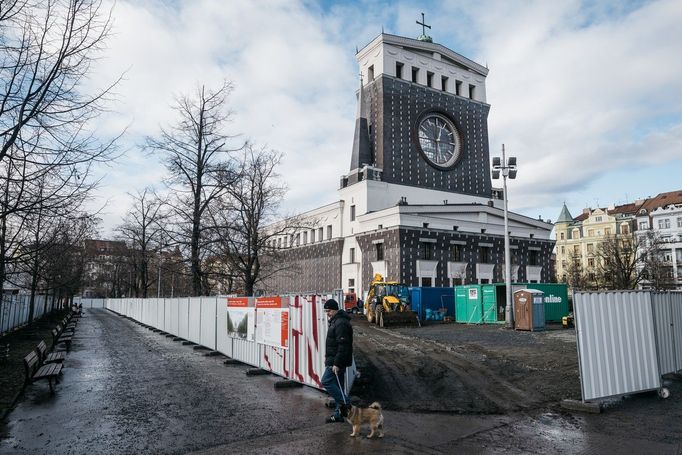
(371, 415)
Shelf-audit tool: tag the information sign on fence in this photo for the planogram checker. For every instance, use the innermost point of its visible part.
(241, 319)
(272, 321)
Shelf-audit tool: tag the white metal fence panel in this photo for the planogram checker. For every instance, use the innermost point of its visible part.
(223, 341)
(661, 306)
(160, 314)
(208, 322)
(175, 317)
(168, 315)
(676, 317)
(183, 318)
(616, 343)
(246, 351)
(195, 320)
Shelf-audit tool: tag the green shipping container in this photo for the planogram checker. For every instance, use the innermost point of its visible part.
(556, 299)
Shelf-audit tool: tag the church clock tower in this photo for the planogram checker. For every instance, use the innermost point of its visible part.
(422, 118)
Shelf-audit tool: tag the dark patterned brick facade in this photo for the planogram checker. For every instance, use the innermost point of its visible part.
(396, 106)
(402, 251)
(311, 268)
(391, 240)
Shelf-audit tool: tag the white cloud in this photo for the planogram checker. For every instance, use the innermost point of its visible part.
(576, 91)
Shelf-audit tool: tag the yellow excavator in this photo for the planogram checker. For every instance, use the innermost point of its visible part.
(388, 303)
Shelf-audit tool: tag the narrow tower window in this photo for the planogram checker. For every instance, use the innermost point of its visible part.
(429, 79)
(443, 83)
(458, 88)
(415, 74)
(472, 90)
(398, 70)
(370, 73)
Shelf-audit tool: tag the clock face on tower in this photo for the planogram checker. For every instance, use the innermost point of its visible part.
(439, 140)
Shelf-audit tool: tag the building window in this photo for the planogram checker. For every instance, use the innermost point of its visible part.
(352, 255)
(380, 251)
(298, 239)
(625, 229)
(590, 262)
(664, 224)
(576, 249)
(415, 74)
(425, 251)
(679, 221)
(279, 242)
(607, 231)
(320, 231)
(472, 91)
(597, 219)
(458, 87)
(563, 250)
(312, 236)
(643, 225)
(532, 257)
(590, 232)
(443, 83)
(352, 213)
(425, 225)
(457, 253)
(399, 70)
(562, 236)
(429, 79)
(590, 248)
(426, 282)
(305, 238)
(370, 73)
(329, 231)
(351, 282)
(576, 234)
(484, 254)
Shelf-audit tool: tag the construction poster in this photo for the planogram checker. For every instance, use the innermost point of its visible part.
(272, 321)
(241, 319)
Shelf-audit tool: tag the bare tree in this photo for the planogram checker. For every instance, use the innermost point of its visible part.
(46, 147)
(576, 277)
(197, 156)
(247, 221)
(142, 229)
(46, 50)
(657, 272)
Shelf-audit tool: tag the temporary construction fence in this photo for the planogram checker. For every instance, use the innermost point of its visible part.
(89, 303)
(15, 310)
(627, 340)
(284, 335)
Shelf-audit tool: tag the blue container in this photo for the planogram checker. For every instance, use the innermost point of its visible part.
(433, 304)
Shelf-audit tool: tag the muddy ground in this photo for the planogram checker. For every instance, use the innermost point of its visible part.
(464, 369)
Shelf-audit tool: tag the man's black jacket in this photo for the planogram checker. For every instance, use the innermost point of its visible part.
(339, 346)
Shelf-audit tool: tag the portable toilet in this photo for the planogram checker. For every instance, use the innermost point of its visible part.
(529, 310)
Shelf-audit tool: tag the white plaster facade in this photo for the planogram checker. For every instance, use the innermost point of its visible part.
(382, 55)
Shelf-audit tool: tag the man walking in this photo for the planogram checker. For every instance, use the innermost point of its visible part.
(338, 355)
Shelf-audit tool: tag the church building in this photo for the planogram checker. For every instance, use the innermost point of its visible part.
(416, 203)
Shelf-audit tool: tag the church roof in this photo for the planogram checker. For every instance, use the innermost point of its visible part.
(565, 215)
(429, 47)
(362, 153)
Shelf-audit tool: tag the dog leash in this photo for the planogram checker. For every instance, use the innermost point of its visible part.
(343, 394)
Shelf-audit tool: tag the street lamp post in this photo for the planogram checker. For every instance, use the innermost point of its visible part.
(508, 169)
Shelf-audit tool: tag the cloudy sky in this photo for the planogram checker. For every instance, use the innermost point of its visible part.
(585, 94)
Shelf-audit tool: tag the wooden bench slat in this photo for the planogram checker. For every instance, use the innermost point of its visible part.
(49, 370)
(53, 357)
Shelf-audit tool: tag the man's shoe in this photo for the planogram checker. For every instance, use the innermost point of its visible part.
(334, 418)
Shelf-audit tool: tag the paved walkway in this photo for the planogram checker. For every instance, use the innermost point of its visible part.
(128, 390)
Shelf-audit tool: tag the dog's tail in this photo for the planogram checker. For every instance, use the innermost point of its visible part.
(375, 405)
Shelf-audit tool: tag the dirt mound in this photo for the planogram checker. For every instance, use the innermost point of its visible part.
(463, 369)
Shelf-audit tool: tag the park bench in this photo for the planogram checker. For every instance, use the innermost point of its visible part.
(58, 337)
(52, 357)
(35, 371)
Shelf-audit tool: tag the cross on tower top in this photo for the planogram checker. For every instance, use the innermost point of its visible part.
(424, 36)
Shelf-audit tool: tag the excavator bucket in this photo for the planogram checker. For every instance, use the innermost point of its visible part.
(398, 318)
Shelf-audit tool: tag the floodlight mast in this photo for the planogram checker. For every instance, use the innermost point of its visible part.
(507, 167)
